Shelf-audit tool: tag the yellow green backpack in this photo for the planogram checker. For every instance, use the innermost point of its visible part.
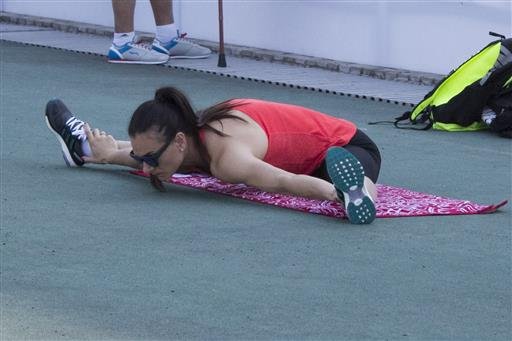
(457, 101)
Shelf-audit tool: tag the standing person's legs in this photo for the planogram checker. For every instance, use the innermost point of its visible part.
(124, 11)
(162, 11)
(123, 49)
(167, 39)
(165, 28)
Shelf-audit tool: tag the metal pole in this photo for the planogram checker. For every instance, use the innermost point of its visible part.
(222, 56)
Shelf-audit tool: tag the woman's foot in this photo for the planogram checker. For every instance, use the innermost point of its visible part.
(347, 175)
(68, 130)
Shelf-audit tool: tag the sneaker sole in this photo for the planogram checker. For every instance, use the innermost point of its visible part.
(347, 175)
(65, 152)
(134, 62)
(190, 57)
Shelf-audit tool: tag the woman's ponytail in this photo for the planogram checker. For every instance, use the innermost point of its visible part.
(169, 112)
(179, 104)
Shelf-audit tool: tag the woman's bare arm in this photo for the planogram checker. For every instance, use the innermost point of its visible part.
(124, 145)
(237, 165)
(105, 149)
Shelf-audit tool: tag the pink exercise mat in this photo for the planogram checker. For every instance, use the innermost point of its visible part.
(393, 201)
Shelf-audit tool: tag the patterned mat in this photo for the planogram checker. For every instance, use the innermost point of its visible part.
(392, 202)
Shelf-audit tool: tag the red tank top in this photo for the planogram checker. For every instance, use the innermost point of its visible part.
(298, 138)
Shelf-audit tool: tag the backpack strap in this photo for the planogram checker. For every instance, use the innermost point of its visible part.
(422, 122)
(494, 34)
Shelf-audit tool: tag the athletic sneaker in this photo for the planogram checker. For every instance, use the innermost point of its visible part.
(180, 47)
(68, 130)
(347, 175)
(132, 53)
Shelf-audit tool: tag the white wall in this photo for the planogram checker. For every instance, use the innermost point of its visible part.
(432, 36)
(89, 11)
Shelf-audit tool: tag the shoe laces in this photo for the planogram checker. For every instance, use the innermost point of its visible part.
(139, 41)
(76, 127)
(182, 37)
(142, 45)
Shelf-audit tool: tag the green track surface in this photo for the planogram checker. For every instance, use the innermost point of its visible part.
(95, 253)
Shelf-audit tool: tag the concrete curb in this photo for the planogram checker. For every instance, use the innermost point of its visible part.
(377, 72)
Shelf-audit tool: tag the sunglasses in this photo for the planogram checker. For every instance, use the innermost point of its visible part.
(150, 159)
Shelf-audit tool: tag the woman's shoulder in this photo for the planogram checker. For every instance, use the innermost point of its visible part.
(238, 133)
(241, 102)
(237, 124)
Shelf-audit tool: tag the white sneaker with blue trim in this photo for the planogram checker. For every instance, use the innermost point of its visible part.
(131, 53)
(181, 48)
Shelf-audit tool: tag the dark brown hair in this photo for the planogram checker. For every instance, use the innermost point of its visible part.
(170, 112)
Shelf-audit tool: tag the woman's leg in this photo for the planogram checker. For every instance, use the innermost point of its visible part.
(371, 188)
(321, 173)
(348, 177)
(371, 167)
(365, 150)
(80, 144)
(354, 169)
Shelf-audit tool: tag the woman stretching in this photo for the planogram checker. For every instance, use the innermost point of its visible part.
(275, 147)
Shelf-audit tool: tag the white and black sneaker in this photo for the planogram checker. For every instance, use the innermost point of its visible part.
(68, 130)
(347, 175)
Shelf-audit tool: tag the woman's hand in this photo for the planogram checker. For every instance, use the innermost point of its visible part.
(103, 146)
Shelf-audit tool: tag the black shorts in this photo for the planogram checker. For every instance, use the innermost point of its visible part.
(365, 150)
